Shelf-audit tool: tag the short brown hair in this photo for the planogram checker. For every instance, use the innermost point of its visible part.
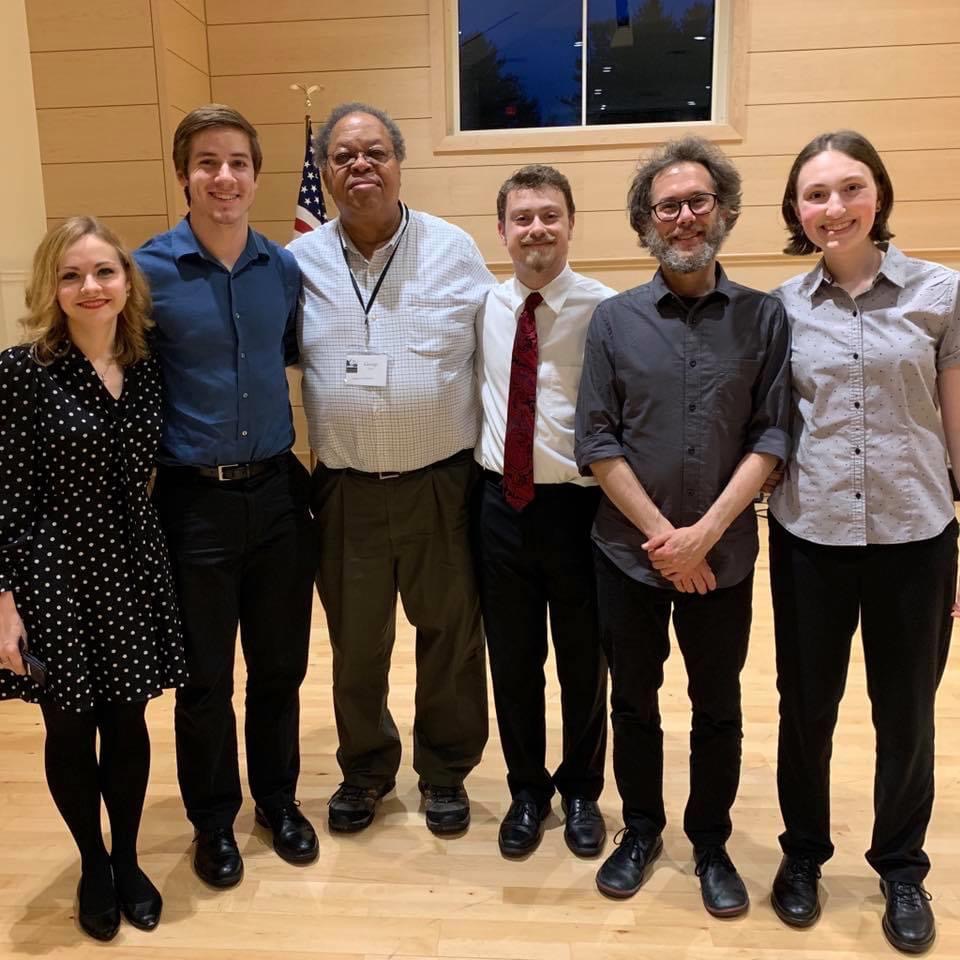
(857, 147)
(205, 118)
(45, 324)
(534, 176)
(726, 179)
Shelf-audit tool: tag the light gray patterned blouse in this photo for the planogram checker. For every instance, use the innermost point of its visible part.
(869, 461)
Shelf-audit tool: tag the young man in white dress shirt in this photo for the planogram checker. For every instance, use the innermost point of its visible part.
(536, 515)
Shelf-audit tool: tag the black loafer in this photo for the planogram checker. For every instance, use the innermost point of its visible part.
(101, 924)
(294, 838)
(722, 889)
(142, 910)
(908, 919)
(796, 893)
(624, 871)
(522, 828)
(216, 859)
(352, 808)
(447, 809)
(584, 831)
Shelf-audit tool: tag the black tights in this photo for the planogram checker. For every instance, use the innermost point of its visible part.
(78, 779)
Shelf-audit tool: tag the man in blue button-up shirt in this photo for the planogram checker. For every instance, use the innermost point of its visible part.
(231, 494)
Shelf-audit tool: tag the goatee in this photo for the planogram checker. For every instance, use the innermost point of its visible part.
(677, 260)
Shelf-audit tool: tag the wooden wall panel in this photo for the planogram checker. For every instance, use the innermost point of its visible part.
(183, 34)
(778, 26)
(267, 98)
(104, 189)
(186, 85)
(196, 7)
(85, 134)
(319, 45)
(252, 11)
(133, 231)
(94, 78)
(69, 25)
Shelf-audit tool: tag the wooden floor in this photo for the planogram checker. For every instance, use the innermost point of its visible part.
(396, 891)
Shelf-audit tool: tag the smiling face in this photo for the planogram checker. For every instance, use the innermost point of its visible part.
(536, 230)
(837, 202)
(689, 243)
(362, 189)
(92, 285)
(219, 177)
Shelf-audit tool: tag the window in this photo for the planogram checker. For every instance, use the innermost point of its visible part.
(521, 62)
(517, 74)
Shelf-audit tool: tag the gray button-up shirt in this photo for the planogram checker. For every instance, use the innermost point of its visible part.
(683, 394)
(869, 463)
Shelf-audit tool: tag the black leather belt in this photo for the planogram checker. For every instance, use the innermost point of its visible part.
(231, 471)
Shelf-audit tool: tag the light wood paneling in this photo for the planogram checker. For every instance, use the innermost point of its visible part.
(104, 189)
(94, 78)
(184, 34)
(133, 231)
(861, 73)
(319, 45)
(267, 98)
(195, 7)
(822, 23)
(85, 134)
(186, 86)
(69, 25)
(252, 11)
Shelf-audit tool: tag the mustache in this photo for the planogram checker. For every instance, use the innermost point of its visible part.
(539, 241)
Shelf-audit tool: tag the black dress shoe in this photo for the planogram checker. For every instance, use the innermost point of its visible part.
(447, 809)
(140, 901)
(101, 923)
(796, 894)
(723, 892)
(522, 828)
(216, 858)
(908, 920)
(352, 807)
(585, 832)
(294, 839)
(624, 871)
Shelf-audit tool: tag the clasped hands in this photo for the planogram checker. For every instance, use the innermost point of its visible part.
(680, 555)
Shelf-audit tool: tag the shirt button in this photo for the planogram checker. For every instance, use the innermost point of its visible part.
(243, 356)
(247, 395)
(857, 495)
(236, 316)
(856, 403)
(689, 493)
(856, 356)
(693, 407)
(243, 433)
(693, 363)
(856, 450)
(690, 450)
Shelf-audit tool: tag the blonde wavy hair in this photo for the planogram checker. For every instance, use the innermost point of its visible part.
(45, 323)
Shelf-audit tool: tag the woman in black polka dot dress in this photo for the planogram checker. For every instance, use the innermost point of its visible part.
(85, 581)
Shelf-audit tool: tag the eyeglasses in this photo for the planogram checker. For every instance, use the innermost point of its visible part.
(699, 204)
(375, 156)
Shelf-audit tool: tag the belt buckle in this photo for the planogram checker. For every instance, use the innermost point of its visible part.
(392, 475)
(225, 466)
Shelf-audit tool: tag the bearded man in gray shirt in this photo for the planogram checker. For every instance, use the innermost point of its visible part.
(682, 414)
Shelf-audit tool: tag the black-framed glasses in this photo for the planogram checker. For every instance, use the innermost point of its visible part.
(699, 204)
(375, 156)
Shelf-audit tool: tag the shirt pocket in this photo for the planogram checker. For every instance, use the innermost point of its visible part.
(735, 382)
(559, 385)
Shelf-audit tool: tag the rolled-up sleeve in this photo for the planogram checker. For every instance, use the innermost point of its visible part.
(769, 428)
(599, 419)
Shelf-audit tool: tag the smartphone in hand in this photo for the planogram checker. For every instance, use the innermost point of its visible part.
(36, 668)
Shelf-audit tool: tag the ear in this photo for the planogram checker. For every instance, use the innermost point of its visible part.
(572, 220)
(501, 232)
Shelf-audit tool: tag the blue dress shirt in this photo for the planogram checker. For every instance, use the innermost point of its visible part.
(223, 338)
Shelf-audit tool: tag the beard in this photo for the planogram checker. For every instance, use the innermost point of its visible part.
(539, 258)
(686, 262)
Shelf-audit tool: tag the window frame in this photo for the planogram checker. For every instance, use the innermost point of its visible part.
(729, 87)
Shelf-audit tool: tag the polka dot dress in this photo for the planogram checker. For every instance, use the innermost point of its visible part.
(80, 543)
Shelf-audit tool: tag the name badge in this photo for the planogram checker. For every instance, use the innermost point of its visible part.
(366, 369)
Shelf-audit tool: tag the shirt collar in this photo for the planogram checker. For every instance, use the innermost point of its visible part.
(388, 246)
(554, 293)
(893, 266)
(660, 290)
(186, 244)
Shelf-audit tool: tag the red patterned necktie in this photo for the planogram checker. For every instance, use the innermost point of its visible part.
(522, 409)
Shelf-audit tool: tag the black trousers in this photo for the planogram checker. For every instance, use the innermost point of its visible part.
(244, 553)
(713, 632)
(533, 561)
(901, 594)
(407, 535)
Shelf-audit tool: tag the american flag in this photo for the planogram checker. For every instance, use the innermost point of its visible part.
(310, 212)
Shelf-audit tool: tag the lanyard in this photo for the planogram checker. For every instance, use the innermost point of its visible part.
(383, 273)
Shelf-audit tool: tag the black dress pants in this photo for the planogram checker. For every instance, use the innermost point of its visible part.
(532, 561)
(406, 535)
(901, 594)
(243, 552)
(712, 631)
